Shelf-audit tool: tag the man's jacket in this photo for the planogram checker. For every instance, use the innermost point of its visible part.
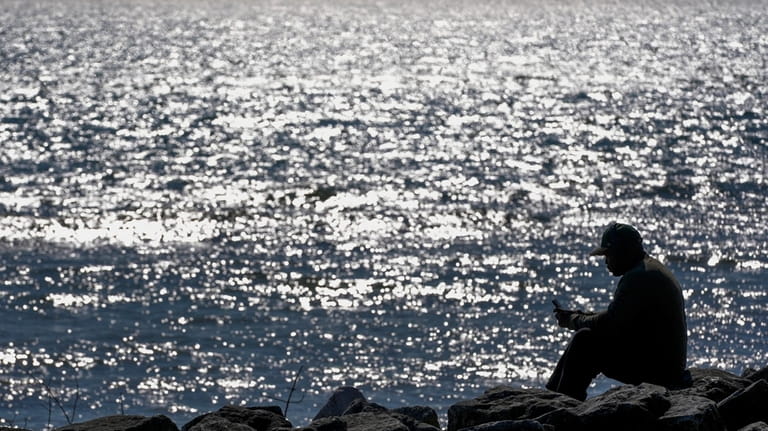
(644, 326)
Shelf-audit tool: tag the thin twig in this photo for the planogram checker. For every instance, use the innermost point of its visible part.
(293, 388)
(122, 401)
(58, 403)
(52, 398)
(77, 396)
(290, 394)
(50, 408)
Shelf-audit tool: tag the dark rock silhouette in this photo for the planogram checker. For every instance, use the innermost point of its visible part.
(755, 375)
(365, 421)
(423, 414)
(716, 401)
(348, 410)
(341, 399)
(506, 403)
(746, 406)
(714, 384)
(757, 426)
(624, 407)
(691, 412)
(124, 423)
(522, 425)
(240, 419)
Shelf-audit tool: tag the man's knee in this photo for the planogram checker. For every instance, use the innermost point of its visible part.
(578, 366)
(585, 338)
(587, 346)
(584, 333)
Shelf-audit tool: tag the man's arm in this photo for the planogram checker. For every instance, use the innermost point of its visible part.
(620, 310)
(567, 318)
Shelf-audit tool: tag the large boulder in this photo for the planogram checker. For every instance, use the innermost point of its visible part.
(423, 414)
(411, 423)
(746, 406)
(691, 413)
(322, 424)
(218, 423)
(713, 383)
(757, 426)
(365, 421)
(504, 403)
(522, 425)
(348, 410)
(124, 423)
(340, 401)
(754, 375)
(240, 419)
(363, 406)
(625, 407)
(373, 422)
(370, 420)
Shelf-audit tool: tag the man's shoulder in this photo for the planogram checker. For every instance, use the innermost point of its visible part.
(647, 266)
(653, 264)
(649, 269)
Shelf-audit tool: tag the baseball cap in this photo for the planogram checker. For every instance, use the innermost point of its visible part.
(618, 235)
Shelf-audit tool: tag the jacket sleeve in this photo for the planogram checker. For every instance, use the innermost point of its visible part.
(620, 311)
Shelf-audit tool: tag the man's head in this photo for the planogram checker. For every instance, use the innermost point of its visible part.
(622, 247)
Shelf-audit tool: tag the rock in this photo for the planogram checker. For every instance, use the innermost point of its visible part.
(755, 375)
(348, 405)
(716, 400)
(523, 425)
(411, 423)
(372, 422)
(562, 420)
(757, 426)
(691, 413)
(218, 423)
(232, 417)
(713, 384)
(124, 423)
(746, 406)
(625, 407)
(274, 409)
(424, 414)
(340, 401)
(11, 428)
(504, 403)
(323, 424)
(362, 406)
(383, 420)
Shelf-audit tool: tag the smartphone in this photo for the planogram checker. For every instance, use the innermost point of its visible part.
(557, 305)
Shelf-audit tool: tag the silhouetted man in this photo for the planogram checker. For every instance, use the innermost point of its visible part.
(641, 337)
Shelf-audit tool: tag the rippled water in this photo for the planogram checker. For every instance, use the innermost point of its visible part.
(197, 200)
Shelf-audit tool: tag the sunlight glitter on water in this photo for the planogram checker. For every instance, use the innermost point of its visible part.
(200, 200)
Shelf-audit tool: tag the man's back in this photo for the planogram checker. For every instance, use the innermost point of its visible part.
(641, 337)
(657, 335)
(646, 324)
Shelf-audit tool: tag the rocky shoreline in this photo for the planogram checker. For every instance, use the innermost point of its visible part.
(716, 401)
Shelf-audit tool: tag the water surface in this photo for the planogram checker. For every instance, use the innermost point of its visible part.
(197, 200)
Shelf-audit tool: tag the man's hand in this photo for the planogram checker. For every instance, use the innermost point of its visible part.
(564, 318)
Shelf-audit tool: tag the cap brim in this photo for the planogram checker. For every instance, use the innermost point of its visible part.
(600, 251)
